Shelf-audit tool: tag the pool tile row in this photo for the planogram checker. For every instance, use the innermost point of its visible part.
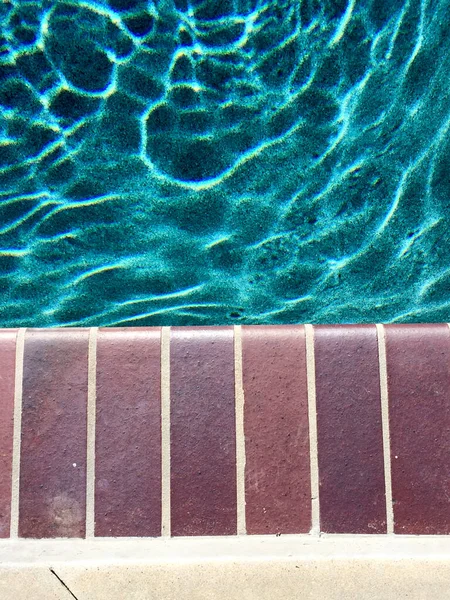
(202, 426)
(350, 442)
(277, 474)
(128, 434)
(7, 381)
(136, 432)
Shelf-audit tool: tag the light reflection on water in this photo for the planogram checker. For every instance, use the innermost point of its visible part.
(185, 162)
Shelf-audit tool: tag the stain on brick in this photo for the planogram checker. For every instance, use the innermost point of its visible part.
(53, 455)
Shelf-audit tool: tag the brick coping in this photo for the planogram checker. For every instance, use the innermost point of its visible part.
(219, 431)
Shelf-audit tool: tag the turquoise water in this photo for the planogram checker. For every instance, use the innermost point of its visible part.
(186, 162)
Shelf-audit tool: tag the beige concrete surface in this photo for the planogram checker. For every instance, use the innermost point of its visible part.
(26, 582)
(243, 568)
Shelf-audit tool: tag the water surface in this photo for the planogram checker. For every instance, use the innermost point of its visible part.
(246, 161)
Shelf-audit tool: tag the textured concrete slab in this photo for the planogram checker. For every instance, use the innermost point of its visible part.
(31, 583)
(230, 568)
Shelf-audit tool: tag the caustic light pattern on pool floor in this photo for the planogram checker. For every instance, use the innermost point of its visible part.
(221, 161)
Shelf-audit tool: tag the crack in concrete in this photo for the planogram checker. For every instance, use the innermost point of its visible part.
(53, 572)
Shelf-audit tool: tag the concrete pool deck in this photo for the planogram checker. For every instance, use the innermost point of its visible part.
(329, 567)
(225, 462)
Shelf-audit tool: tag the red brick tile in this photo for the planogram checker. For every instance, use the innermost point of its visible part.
(277, 470)
(128, 433)
(7, 377)
(349, 430)
(203, 444)
(418, 367)
(53, 454)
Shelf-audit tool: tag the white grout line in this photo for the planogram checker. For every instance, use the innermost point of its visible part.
(165, 432)
(240, 433)
(312, 418)
(91, 417)
(385, 427)
(17, 433)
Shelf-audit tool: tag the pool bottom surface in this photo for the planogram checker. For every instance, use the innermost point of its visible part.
(223, 162)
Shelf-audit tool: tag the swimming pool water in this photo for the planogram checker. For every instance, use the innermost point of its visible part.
(246, 161)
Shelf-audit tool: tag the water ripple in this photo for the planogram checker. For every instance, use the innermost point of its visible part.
(224, 161)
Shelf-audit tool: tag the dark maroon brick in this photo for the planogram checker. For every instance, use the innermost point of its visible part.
(128, 433)
(7, 377)
(277, 470)
(203, 445)
(418, 367)
(349, 430)
(53, 455)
